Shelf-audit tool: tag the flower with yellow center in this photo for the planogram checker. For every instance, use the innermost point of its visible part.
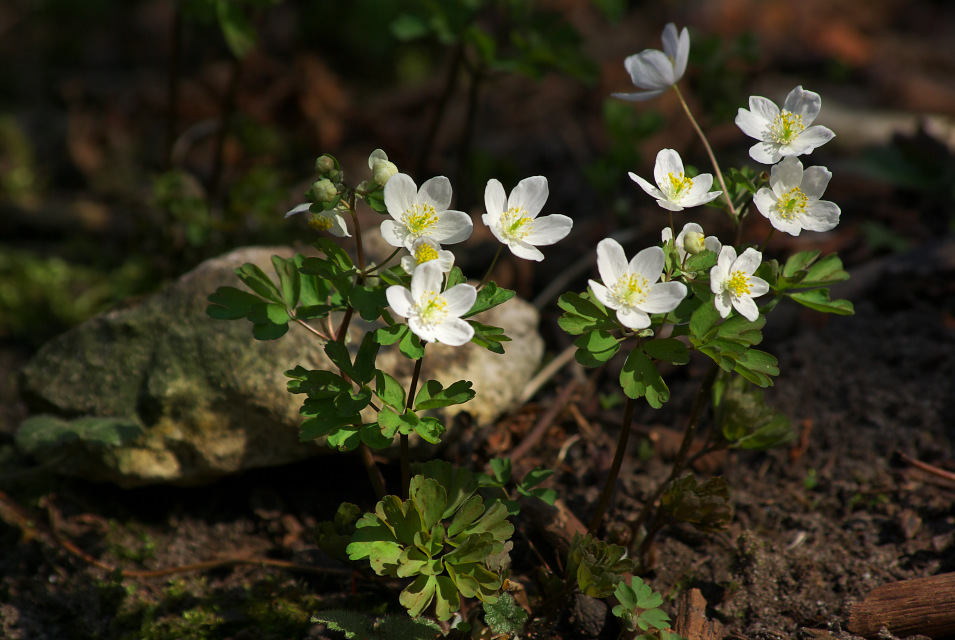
(734, 285)
(786, 132)
(331, 221)
(422, 213)
(514, 219)
(674, 190)
(791, 202)
(633, 289)
(433, 315)
(426, 250)
(656, 71)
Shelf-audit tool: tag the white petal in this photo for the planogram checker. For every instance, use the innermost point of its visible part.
(338, 228)
(687, 228)
(400, 300)
(454, 332)
(376, 156)
(758, 287)
(495, 201)
(726, 258)
(452, 227)
(747, 308)
(670, 39)
(814, 136)
(602, 294)
(804, 103)
(765, 200)
(525, 251)
(445, 261)
(299, 209)
(424, 331)
(670, 206)
(712, 243)
(664, 297)
(718, 276)
(427, 277)
(821, 216)
(633, 318)
(549, 229)
(709, 196)
(436, 192)
(648, 263)
(392, 232)
(723, 303)
(652, 191)
(529, 194)
(748, 261)
(400, 195)
(409, 264)
(460, 299)
(682, 55)
(611, 261)
(638, 97)
(668, 162)
(765, 152)
(667, 234)
(790, 226)
(786, 175)
(751, 124)
(815, 180)
(764, 109)
(650, 69)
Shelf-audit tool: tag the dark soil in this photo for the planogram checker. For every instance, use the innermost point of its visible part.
(816, 525)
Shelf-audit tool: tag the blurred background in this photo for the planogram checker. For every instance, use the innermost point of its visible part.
(140, 137)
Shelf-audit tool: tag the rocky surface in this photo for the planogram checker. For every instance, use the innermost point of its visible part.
(210, 399)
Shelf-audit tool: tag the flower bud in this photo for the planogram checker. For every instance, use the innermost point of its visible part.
(383, 170)
(324, 190)
(694, 243)
(325, 164)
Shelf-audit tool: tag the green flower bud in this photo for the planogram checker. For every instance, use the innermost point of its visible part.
(693, 242)
(324, 191)
(325, 164)
(383, 171)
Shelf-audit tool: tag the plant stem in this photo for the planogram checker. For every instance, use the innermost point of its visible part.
(374, 473)
(679, 463)
(380, 265)
(487, 276)
(614, 468)
(709, 152)
(358, 245)
(405, 453)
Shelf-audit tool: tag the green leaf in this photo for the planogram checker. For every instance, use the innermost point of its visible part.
(407, 27)
(430, 429)
(48, 432)
(639, 377)
(254, 278)
(739, 329)
(455, 277)
(818, 299)
(799, 262)
(405, 422)
(389, 390)
(433, 396)
(368, 301)
(390, 335)
(596, 347)
(238, 31)
(410, 346)
(458, 481)
(702, 261)
(488, 297)
(505, 617)
(488, 337)
(429, 498)
(668, 350)
(290, 280)
(582, 315)
(362, 627)
(268, 331)
(229, 303)
(470, 511)
(418, 595)
(704, 319)
(704, 506)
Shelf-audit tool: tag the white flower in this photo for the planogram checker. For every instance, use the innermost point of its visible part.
(655, 70)
(381, 168)
(513, 220)
(433, 315)
(783, 133)
(633, 289)
(734, 284)
(691, 237)
(676, 191)
(422, 213)
(791, 202)
(331, 221)
(426, 250)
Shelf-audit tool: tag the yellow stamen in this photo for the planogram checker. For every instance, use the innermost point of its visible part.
(786, 127)
(739, 284)
(320, 222)
(516, 224)
(432, 308)
(424, 252)
(419, 219)
(678, 184)
(792, 204)
(631, 289)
